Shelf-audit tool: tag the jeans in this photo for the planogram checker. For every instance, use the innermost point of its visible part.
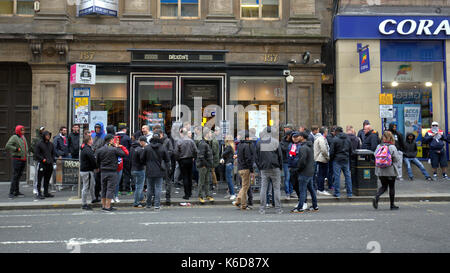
(154, 184)
(387, 181)
(330, 175)
(229, 177)
(345, 167)
(322, 170)
(138, 179)
(306, 184)
(119, 177)
(273, 175)
(315, 176)
(288, 188)
(88, 183)
(186, 173)
(18, 168)
(417, 163)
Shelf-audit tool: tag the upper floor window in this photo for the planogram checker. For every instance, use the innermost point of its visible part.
(12, 7)
(260, 9)
(179, 8)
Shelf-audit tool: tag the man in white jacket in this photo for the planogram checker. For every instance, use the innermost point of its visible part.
(321, 156)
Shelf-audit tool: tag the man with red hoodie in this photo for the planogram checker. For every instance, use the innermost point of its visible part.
(18, 147)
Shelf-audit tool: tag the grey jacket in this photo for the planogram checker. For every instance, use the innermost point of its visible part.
(391, 170)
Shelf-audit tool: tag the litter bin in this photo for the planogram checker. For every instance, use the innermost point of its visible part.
(364, 181)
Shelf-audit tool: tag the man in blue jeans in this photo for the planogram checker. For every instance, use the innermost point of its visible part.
(305, 174)
(138, 170)
(340, 151)
(409, 155)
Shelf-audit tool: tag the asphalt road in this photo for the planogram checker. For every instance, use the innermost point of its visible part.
(356, 227)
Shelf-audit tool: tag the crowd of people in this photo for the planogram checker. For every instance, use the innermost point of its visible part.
(301, 161)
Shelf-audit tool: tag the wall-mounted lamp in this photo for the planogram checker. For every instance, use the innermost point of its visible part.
(290, 79)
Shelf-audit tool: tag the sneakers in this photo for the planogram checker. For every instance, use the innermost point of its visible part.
(209, 198)
(435, 176)
(288, 197)
(138, 206)
(111, 209)
(19, 194)
(11, 196)
(233, 197)
(267, 205)
(393, 207)
(305, 206)
(116, 199)
(157, 209)
(49, 195)
(235, 203)
(323, 192)
(400, 178)
(202, 201)
(375, 203)
(296, 210)
(445, 176)
(314, 209)
(38, 197)
(86, 207)
(428, 179)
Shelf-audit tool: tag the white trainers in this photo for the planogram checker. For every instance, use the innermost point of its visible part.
(323, 192)
(233, 197)
(117, 200)
(305, 206)
(112, 201)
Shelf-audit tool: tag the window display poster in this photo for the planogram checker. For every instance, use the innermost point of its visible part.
(412, 121)
(257, 120)
(98, 116)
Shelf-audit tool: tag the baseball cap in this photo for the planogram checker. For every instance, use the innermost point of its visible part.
(143, 138)
(434, 123)
(108, 137)
(295, 134)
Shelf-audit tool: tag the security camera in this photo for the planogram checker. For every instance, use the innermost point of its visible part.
(316, 61)
(286, 72)
(292, 61)
(305, 57)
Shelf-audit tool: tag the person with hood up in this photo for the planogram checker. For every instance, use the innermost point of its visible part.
(399, 144)
(98, 137)
(306, 174)
(154, 155)
(18, 147)
(435, 138)
(409, 155)
(269, 160)
(340, 152)
(45, 154)
(204, 162)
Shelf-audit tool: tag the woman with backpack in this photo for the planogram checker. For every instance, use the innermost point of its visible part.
(386, 155)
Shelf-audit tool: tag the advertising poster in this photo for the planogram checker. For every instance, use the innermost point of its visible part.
(257, 120)
(413, 124)
(81, 110)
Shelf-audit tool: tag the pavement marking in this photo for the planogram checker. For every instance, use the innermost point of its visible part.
(77, 241)
(258, 221)
(77, 214)
(15, 226)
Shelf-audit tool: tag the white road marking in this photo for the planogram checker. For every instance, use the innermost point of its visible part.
(77, 214)
(77, 241)
(15, 226)
(258, 221)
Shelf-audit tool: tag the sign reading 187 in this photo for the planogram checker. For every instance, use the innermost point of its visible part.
(410, 26)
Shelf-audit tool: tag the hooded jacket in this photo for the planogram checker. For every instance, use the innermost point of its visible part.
(285, 146)
(245, 155)
(306, 159)
(268, 153)
(399, 141)
(321, 149)
(44, 152)
(204, 154)
(135, 156)
(410, 148)
(341, 149)
(17, 145)
(153, 156)
(87, 159)
(99, 139)
(107, 156)
(371, 140)
(436, 142)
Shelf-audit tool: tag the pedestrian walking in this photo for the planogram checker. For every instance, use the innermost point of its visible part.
(138, 170)
(409, 156)
(400, 145)
(74, 142)
(305, 172)
(61, 143)
(386, 155)
(45, 154)
(436, 139)
(269, 159)
(18, 147)
(87, 166)
(153, 156)
(106, 158)
(340, 152)
(321, 157)
(204, 162)
(185, 152)
(285, 142)
(245, 158)
(98, 137)
(228, 160)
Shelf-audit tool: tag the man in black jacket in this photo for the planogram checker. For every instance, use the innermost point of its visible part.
(362, 133)
(305, 173)
(74, 141)
(61, 143)
(154, 155)
(409, 155)
(340, 152)
(285, 141)
(87, 166)
(400, 145)
(138, 170)
(371, 139)
(107, 162)
(125, 140)
(45, 156)
(270, 162)
(245, 158)
(204, 164)
(186, 152)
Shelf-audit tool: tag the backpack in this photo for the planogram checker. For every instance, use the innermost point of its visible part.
(383, 158)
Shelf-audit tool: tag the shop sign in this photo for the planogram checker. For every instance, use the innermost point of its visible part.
(391, 27)
(82, 74)
(103, 7)
(364, 59)
(178, 57)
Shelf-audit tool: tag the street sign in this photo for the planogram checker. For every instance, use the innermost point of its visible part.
(82, 74)
(386, 111)
(81, 105)
(386, 99)
(364, 59)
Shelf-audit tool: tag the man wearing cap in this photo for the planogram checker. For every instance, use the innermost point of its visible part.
(107, 161)
(435, 138)
(18, 147)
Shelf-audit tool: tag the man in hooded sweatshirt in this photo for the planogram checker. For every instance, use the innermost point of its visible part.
(45, 154)
(399, 144)
(98, 137)
(18, 147)
(340, 152)
(409, 155)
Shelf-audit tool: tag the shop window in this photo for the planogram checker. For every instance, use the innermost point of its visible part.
(109, 100)
(179, 8)
(418, 92)
(260, 9)
(20, 7)
(266, 94)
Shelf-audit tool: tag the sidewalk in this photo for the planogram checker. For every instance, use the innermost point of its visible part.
(417, 190)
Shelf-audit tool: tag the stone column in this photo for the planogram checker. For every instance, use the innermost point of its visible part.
(137, 10)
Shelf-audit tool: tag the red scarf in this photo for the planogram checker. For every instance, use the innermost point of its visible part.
(293, 151)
